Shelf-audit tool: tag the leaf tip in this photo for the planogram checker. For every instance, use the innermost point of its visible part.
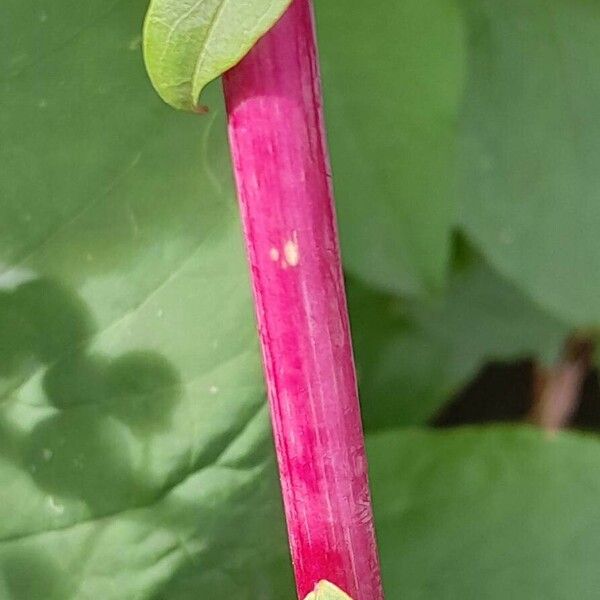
(325, 590)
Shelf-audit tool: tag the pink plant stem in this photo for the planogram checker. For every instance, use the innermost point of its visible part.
(284, 184)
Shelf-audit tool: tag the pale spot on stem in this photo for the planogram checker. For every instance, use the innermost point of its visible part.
(292, 252)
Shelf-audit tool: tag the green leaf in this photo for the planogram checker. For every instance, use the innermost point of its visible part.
(411, 356)
(530, 146)
(188, 43)
(488, 106)
(393, 80)
(327, 591)
(134, 439)
(489, 513)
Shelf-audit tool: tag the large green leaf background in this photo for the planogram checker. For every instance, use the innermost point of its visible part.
(135, 449)
(135, 442)
(451, 115)
(530, 144)
(487, 513)
(392, 97)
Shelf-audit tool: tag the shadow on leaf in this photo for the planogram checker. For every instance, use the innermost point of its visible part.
(92, 446)
(29, 574)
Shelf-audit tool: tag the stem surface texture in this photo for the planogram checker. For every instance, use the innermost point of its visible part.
(284, 185)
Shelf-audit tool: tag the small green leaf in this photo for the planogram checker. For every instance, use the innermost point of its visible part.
(327, 591)
(188, 43)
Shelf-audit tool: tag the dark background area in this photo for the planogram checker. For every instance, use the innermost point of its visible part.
(502, 392)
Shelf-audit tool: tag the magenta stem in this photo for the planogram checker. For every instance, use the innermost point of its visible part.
(282, 171)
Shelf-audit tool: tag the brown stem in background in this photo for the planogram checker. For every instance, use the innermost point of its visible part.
(556, 389)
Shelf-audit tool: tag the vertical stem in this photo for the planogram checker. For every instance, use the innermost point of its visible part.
(557, 389)
(282, 171)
